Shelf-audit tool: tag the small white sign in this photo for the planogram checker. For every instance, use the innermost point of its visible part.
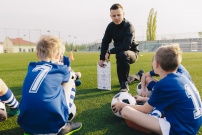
(104, 76)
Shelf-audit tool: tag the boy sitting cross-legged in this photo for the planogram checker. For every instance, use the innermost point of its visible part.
(174, 95)
(47, 93)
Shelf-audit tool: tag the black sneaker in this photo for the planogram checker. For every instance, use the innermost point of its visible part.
(133, 78)
(70, 128)
(14, 112)
(124, 87)
(140, 73)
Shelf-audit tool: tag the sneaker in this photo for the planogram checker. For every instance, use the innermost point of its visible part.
(124, 87)
(133, 78)
(140, 73)
(136, 77)
(70, 128)
(14, 112)
(77, 82)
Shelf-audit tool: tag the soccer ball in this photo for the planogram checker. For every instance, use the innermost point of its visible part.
(2, 106)
(72, 75)
(72, 112)
(139, 90)
(3, 114)
(124, 97)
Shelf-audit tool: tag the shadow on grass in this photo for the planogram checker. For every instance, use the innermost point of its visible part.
(17, 91)
(92, 93)
(13, 131)
(102, 121)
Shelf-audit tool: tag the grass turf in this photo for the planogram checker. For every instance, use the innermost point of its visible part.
(93, 105)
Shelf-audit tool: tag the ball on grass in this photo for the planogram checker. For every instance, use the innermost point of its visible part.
(124, 97)
(139, 90)
(3, 114)
(72, 112)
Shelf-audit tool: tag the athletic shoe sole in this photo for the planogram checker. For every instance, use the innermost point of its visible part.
(73, 131)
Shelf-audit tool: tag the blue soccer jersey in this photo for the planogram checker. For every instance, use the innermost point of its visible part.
(182, 70)
(178, 98)
(43, 107)
(66, 61)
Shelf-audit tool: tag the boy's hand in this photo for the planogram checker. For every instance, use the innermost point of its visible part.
(101, 63)
(139, 98)
(143, 93)
(117, 107)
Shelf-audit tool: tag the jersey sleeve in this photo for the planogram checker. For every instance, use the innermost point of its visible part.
(66, 74)
(152, 73)
(165, 93)
(66, 61)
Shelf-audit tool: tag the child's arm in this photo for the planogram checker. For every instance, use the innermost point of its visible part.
(140, 98)
(118, 106)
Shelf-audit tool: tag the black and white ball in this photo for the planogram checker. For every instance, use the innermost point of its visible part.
(139, 90)
(72, 112)
(124, 97)
(2, 106)
(72, 75)
(3, 114)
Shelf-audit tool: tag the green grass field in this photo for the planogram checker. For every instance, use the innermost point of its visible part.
(93, 105)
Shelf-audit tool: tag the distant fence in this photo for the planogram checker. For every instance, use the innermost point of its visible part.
(187, 45)
(187, 41)
(32, 35)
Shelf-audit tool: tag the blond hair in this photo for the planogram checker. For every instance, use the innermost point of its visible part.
(169, 57)
(48, 47)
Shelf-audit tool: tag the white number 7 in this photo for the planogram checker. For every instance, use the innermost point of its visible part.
(40, 77)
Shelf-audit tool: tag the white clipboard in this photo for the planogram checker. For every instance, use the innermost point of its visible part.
(104, 76)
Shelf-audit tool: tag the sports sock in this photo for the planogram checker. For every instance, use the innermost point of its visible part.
(72, 96)
(9, 99)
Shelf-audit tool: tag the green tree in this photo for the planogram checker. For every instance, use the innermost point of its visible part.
(151, 25)
(66, 46)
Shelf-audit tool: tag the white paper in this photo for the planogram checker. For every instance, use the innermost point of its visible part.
(104, 76)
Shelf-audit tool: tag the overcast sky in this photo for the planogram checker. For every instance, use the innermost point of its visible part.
(83, 21)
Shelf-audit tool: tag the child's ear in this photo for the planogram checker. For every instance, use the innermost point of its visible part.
(156, 64)
(57, 56)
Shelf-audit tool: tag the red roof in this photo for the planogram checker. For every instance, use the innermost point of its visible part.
(17, 41)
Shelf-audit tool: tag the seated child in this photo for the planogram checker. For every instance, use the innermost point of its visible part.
(149, 81)
(48, 92)
(174, 95)
(66, 61)
(8, 98)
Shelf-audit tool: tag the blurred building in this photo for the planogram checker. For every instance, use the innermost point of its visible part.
(17, 45)
(1, 47)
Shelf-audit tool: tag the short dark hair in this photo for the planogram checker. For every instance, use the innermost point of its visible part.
(169, 56)
(116, 6)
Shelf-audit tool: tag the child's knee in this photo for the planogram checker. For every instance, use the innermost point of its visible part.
(78, 74)
(124, 112)
(3, 87)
